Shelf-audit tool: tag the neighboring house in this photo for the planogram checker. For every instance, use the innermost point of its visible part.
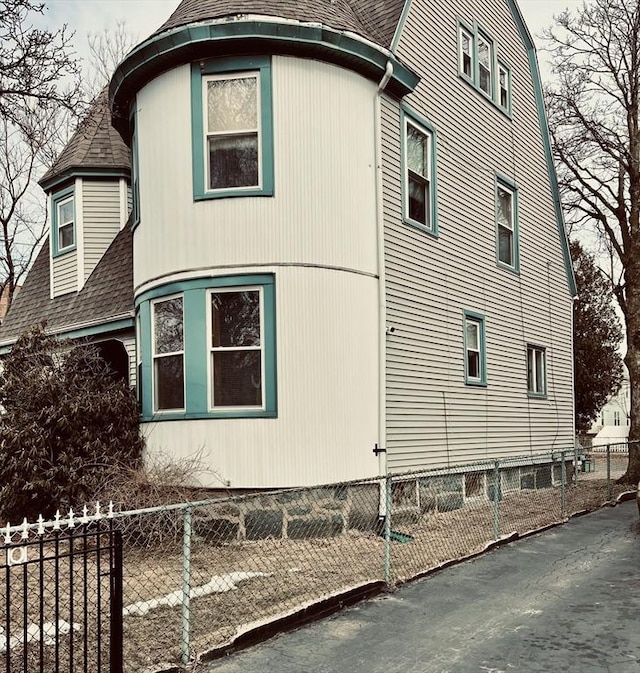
(612, 424)
(4, 300)
(345, 234)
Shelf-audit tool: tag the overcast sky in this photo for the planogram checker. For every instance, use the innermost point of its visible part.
(142, 17)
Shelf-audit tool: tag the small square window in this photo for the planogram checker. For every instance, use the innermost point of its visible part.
(536, 371)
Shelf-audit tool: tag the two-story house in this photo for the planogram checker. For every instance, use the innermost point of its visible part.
(338, 229)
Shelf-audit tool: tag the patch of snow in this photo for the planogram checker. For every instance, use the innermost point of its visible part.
(49, 632)
(216, 585)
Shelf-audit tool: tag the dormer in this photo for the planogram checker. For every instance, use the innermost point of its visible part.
(89, 199)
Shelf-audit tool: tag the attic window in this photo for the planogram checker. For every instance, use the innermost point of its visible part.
(63, 230)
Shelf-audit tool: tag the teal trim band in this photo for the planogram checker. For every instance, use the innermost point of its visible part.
(91, 173)
(510, 185)
(103, 328)
(135, 172)
(544, 129)
(188, 44)
(56, 200)
(397, 35)
(423, 124)
(197, 352)
(262, 64)
(480, 319)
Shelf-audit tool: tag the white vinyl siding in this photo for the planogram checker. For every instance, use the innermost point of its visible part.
(65, 273)
(433, 418)
(101, 219)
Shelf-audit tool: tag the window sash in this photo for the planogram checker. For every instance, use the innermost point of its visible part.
(238, 147)
(466, 52)
(474, 350)
(417, 174)
(485, 65)
(254, 375)
(505, 206)
(504, 86)
(536, 371)
(168, 386)
(65, 223)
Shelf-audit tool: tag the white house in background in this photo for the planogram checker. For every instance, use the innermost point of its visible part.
(612, 424)
(344, 234)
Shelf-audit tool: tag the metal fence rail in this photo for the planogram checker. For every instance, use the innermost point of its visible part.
(199, 575)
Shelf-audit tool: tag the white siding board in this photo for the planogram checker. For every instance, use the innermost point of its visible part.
(102, 214)
(429, 282)
(64, 273)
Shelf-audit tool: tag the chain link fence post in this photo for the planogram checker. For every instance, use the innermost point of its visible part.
(496, 500)
(387, 531)
(609, 489)
(576, 469)
(563, 486)
(185, 645)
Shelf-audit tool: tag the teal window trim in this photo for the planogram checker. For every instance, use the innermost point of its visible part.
(58, 199)
(196, 295)
(534, 390)
(477, 32)
(135, 172)
(409, 116)
(479, 319)
(509, 185)
(240, 64)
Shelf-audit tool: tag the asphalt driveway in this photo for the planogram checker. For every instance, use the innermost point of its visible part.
(564, 600)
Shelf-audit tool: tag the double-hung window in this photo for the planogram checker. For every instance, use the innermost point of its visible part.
(504, 87)
(168, 354)
(419, 173)
(236, 348)
(475, 349)
(63, 226)
(506, 224)
(232, 128)
(536, 371)
(208, 348)
(485, 65)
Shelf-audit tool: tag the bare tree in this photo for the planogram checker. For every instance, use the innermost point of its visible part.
(595, 130)
(40, 96)
(106, 50)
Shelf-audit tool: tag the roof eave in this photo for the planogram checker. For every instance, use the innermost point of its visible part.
(250, 36)
(48, 184)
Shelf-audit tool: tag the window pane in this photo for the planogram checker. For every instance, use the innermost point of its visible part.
(473, 364)
(418, 199)
(539, 371)
(530, 379)
(485, 79)
(237, 379)
(232, 105)
(416, 151)
(169, 382)
(473, 336)
(505, 246)
(168, 328)
(505, 203)
(65, 236)
(65, 212)
(233, 161)
(235, 319)
(484, 52)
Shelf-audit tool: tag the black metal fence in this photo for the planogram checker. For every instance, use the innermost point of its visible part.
(62, 590)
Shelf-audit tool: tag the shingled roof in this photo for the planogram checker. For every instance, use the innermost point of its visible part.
(375, 20)
(106, 296)
(95, 147)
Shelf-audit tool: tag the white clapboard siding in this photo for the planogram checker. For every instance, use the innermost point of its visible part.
(433, 418)
(65, 275)
(101, 219)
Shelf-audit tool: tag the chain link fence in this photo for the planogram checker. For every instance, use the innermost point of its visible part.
(200, 576)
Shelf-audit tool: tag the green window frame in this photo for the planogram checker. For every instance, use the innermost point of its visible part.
(475, 350)
(63, 222)
(507, 233)
(231, 136)
(481, 66)
(222, 346)
(135, 172)
(536, 371)
(419, 172)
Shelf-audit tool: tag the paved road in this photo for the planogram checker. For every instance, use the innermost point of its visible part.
(565, 600)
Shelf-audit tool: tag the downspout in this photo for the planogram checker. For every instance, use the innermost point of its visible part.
(382, 303)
